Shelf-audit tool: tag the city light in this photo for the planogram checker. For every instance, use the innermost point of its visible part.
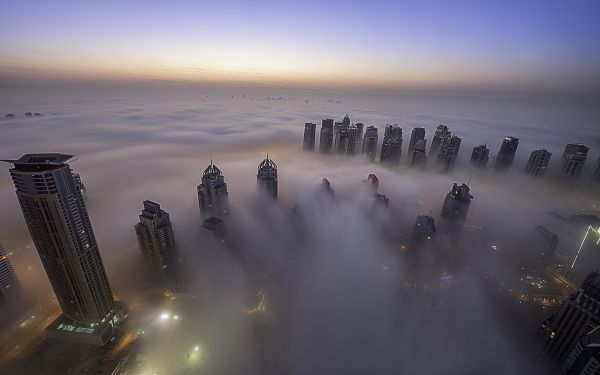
(597, 231)
(164, 316)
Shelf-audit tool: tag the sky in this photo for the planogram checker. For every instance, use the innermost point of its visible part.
(508, 45)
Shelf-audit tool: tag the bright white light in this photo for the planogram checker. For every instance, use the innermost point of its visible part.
(164, 316)
(196, 348)
(175, 317)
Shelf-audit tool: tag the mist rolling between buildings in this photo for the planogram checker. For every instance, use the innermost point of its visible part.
(343, 290)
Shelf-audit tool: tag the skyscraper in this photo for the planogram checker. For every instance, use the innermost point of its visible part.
(480, 156)
(370, 142)
(10, 288)
(353, 139)
(424, 229)
(456, 204)
(213, 197)
(216, 227)
(157, 241)
(79, 185)
(584, 359)
(577, 316)
(441, 132)
(416, 135)
(448, 153)
(326, 188)
(340, 137)
(310, 131)
(507, 152)
(573, 159)
(417, 155)
(538, 162)
(359, 139)
(267, 178)
(326, 136)
(61, 230)
(391, 149)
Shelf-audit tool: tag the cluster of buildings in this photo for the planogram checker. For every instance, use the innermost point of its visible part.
(52, 199)
(346, 138)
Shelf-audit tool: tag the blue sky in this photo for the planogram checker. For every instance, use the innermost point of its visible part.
(537, 43)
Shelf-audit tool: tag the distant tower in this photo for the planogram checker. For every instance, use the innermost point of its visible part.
(507, 152)
(441, 132)
(353, 139)
(326, 187)
(538, 162)
(326, 136)
(416, 135)
(370, 142)
(61, 230)
(156, 240)
(424, 229)
(480, 156)
(456, 204)
(577, 316)
(310, 131)
(267, 178)
(10, 289)
(573, 159)
(213, 197)
(448, 153)
(417, 155)
(391, 149)
(359, 139)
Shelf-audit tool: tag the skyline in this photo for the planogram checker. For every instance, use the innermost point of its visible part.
(537, 46)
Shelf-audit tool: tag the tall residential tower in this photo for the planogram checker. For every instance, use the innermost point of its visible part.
(213, 197)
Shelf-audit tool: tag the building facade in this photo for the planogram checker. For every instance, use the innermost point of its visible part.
(60, 227)
(267, 178)
(391, 149)
(370, 140)
(448, 153)
(480, 156)
(573, 159)
(506, 155)
(326, 136)
(10, 289)
(156, 240)
(538, 162)
(441, 132)
(310, 132)
(457, 202)
(213, 197)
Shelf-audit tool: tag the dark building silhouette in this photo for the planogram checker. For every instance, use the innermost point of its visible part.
(370, 142)
(58, 222)
(213, 196)
(10, 289)
(506, 155)
(326, 187)
(480, 156)
(359, 139)
(267, 178)
(391, 149)
(424, 229)
(597, 171)
(340, 137)
(584, 359)
(79, 185)
(216, 227)
(538, 162)
(456, 204)
(417, 134)
(417, 154)
(573, 159)
(578, 315)
(326, 136)
(448, 153)
(310, 131)
(353, 139)
(538, 251)
(441, 132)
(157, 241)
